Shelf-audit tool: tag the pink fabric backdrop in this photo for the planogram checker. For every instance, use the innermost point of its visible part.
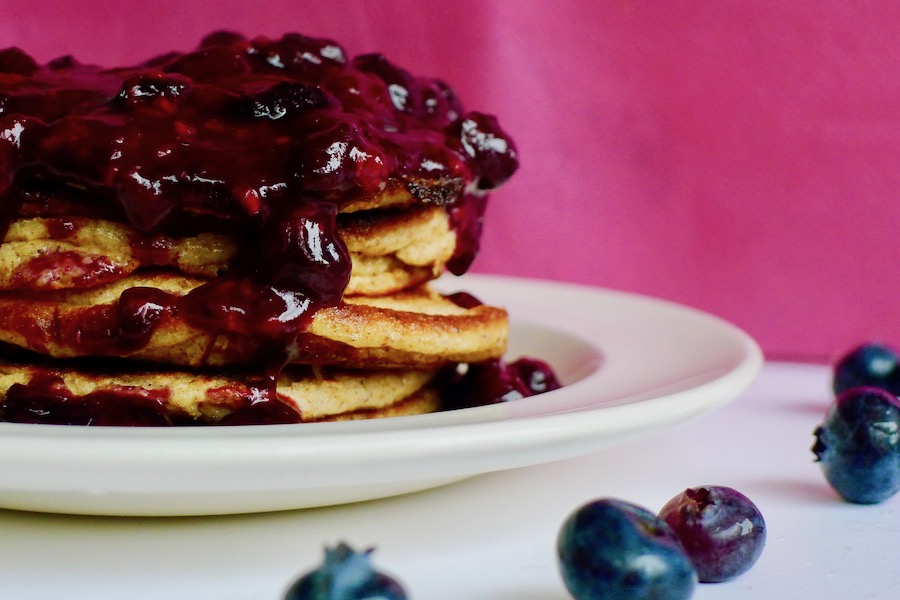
(744, 161)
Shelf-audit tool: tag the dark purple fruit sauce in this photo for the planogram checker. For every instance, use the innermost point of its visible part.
(266, 139)
(495, 381)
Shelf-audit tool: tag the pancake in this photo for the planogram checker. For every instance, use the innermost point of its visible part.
(417, 327)
(396, 250)
(71, 393)
(390, 251)
(241, 233)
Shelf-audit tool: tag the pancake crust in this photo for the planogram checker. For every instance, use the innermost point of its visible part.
(393, 251)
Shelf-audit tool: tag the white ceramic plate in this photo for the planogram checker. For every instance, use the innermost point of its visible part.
(632, 365)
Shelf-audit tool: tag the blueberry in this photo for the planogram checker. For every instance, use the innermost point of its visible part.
(440, 104)
(282, 99)
(145, 88)
(858, 445)
(871, 364)
(17, 62)
(343, 159)
(211, 63)
(533, 375)
(614, 550)
(296, 54)
(61, 63)
(722, 531)
(222, 37)
(405, 94)
(487, 145)
(428, 99)
(495, 381)
(345, 575)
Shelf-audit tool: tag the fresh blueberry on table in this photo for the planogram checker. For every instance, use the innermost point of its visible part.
(858, 445)
(345, 574)
(721, 530)
(870, 364)
(615, 550)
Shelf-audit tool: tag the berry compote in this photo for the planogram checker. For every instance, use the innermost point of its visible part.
(265, 139)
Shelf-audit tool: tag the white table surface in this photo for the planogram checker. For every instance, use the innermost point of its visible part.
(493, 537)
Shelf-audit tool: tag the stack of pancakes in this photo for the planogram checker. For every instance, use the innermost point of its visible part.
(241, 234)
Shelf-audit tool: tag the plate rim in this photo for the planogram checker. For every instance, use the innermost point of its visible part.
(488, 428)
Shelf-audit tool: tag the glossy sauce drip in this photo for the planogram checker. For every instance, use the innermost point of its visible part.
(268, 137)
(497, 381)
(138, 313)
